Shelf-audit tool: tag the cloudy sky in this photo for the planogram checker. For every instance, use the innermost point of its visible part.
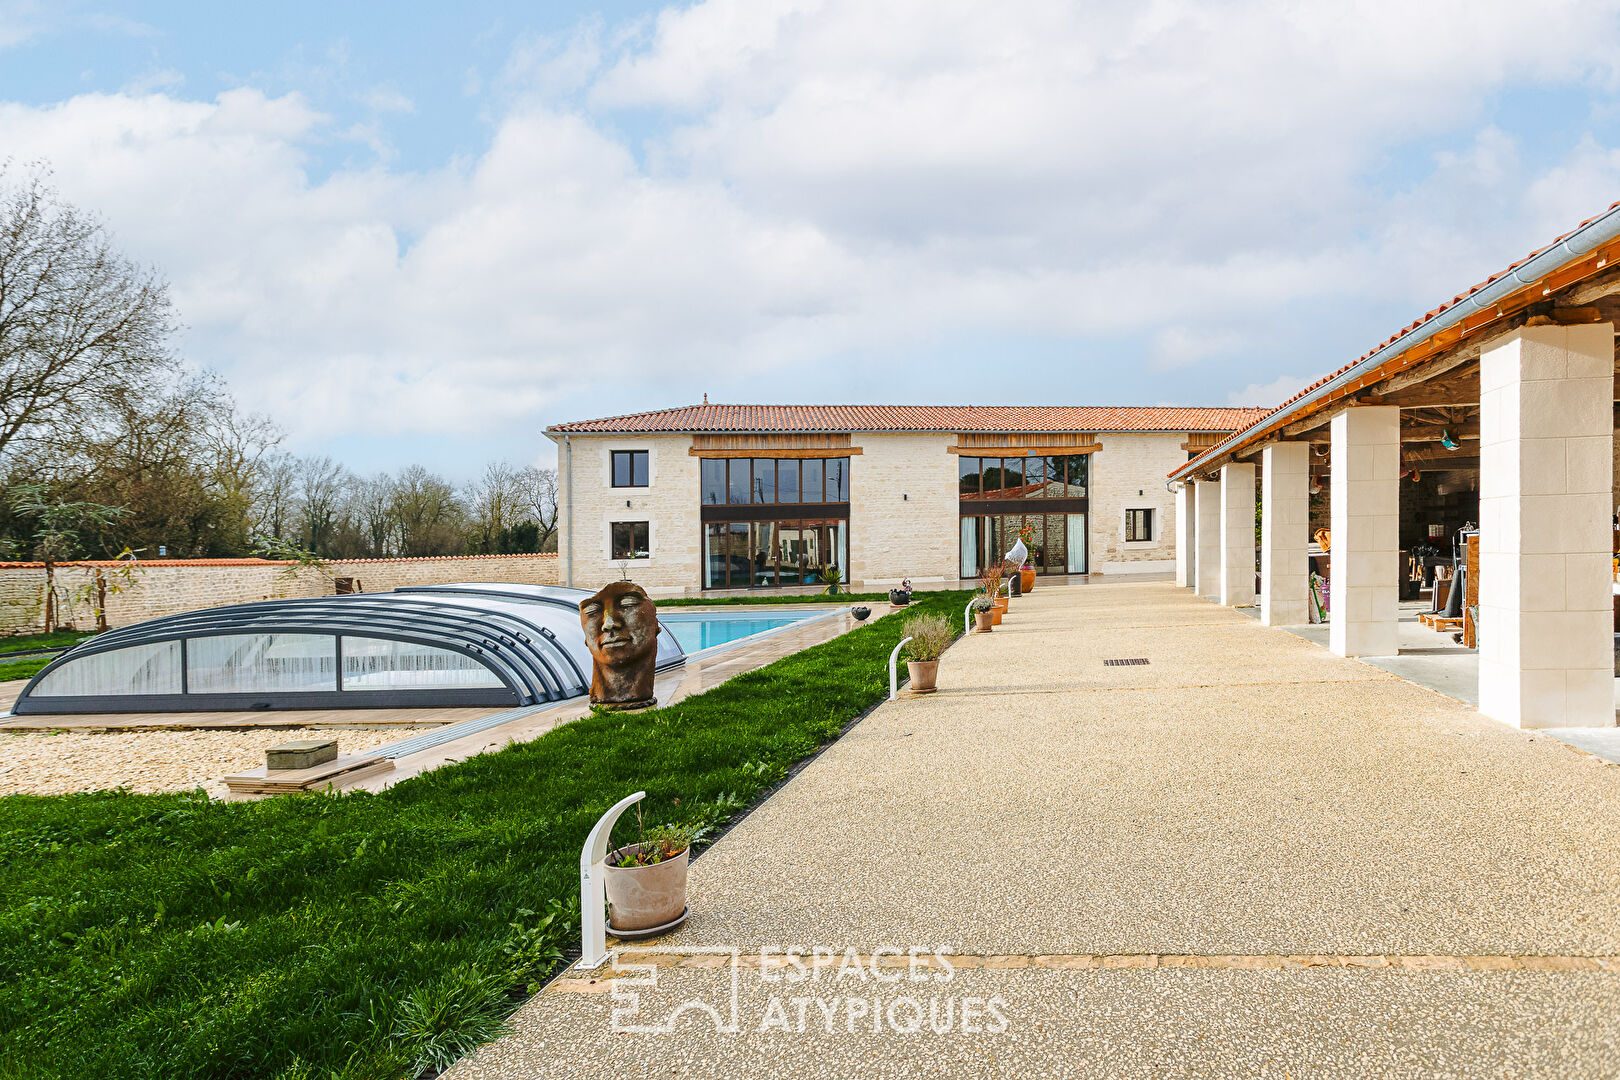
(417, 234)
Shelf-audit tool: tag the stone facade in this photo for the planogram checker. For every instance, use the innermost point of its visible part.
(904, 513)
(904, 508)
(669, 504)
(1128, 473)
(169, 586)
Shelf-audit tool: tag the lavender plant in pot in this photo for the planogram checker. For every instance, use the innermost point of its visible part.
(646, 881)
(930, 636)
(983, 614)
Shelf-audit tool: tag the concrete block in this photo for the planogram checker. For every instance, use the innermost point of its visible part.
(301, 754)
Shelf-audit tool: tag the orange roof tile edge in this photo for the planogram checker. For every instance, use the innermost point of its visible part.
(883, 418)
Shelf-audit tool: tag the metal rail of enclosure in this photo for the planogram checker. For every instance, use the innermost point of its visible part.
(475, 644)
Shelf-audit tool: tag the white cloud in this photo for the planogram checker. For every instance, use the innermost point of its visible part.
(1271, 394)
(841, 178)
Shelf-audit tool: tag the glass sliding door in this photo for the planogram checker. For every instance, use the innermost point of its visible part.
(1075, 528)
(970, 547)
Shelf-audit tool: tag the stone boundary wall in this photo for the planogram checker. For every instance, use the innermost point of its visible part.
(169, 586)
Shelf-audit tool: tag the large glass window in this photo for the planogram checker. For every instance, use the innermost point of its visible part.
(967, 470)
(787, 480)
(751, 554)
(714, 481)
(630, 540)
(258, 663)
(1060, 476)
(837, 480)
(139, 669)
(740, 488)
(764, 480)
(629, 468)
(812, 469)
(376, 664)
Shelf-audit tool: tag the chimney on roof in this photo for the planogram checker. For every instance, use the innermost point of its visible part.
(705, 397)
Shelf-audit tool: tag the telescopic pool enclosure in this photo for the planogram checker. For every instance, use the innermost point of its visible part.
(469, 644)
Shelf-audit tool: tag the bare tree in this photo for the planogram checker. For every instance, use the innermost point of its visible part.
(321, 482)
(273, 495)
(77, 320)
(496, 502)
(428, 514)
(373, 499)
(540, 502)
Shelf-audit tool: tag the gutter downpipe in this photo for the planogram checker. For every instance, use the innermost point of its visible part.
(568, 451)
(1600, 230)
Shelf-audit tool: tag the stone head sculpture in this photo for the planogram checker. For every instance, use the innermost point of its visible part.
(621, 630)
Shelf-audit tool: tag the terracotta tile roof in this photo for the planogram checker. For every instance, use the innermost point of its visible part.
(978, 418)
(1268, 414)
(146, 563)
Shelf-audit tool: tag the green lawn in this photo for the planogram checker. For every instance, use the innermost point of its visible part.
(27, 666)
(362, 935)
(54, 640)
(814, 598)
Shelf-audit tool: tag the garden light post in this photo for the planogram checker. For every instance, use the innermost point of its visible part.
(894, 676)
(592, 895)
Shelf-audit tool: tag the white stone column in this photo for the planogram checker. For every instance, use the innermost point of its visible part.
(1546, 642)
(1207, 496)
(1364, 559)
(1285, 525)
(1186, 537)
(1237, 534)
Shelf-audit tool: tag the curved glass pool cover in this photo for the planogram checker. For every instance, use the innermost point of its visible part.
(471, 644)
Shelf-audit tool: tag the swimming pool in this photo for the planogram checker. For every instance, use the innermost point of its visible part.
(696, 629)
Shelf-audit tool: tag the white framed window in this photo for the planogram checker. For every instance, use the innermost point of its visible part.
(1139, 526)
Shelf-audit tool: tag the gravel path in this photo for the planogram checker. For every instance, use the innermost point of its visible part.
(55, 763)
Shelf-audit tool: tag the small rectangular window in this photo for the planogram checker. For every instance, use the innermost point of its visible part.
(629, 468)
(630, 540)
(1138, 525)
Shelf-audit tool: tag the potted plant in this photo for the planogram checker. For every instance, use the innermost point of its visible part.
(1026, 573)
(990, 582)
(902, 596)
(646, 881)
(832, 576)
(930, 636)
(983, 614)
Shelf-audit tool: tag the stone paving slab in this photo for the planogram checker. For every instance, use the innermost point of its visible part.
(1120, 1024)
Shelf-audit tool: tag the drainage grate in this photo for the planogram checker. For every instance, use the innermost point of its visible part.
(1132, 662)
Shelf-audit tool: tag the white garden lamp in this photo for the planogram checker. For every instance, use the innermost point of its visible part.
(894, 677)
(592, 886)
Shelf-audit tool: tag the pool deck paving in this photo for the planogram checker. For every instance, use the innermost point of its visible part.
(1247, 857)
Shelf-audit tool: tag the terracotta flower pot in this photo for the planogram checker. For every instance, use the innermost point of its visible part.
(924, 673)
(983, 621)
(1003, 605)
(995, 616)
(1026, 578)
(644, 896)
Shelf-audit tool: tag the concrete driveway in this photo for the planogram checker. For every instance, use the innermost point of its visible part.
(1247, 857)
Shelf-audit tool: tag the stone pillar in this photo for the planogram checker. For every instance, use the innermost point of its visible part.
(1237, 534)
(1207, 496)
(1186, 537)
(1285, 526)
(1364, 559)
(1545, 595)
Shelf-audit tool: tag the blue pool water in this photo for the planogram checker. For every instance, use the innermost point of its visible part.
(704, 630)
